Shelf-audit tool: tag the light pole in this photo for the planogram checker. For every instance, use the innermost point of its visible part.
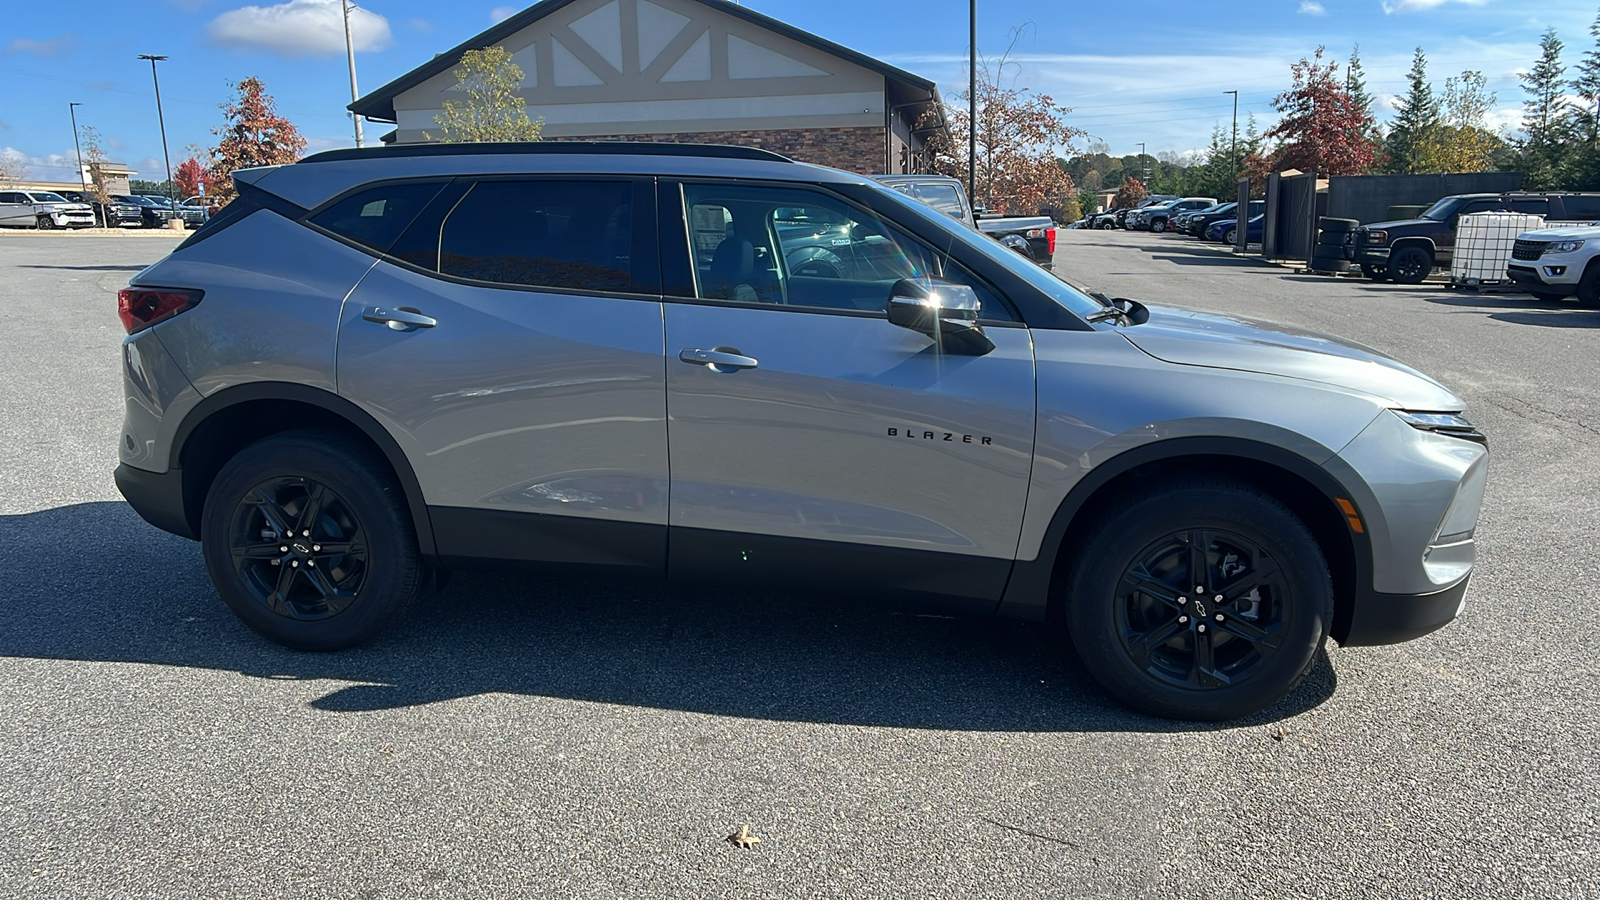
(160, 118)
(1233, 149)
(72, 110)
(972, 103)
(350, 51)
(1144, 172)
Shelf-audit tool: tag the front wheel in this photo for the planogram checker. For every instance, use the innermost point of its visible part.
(1202, 599)
(1589, 286)
(1229, 235)
(1108, 226)
(307, 538)
(1158, 226)
(1410, 265)
(1375, 272)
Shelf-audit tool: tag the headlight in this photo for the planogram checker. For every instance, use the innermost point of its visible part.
(1452, 424)
(1563, 246)
(1377, 237)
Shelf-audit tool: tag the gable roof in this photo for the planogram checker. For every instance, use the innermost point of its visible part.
(379, 104)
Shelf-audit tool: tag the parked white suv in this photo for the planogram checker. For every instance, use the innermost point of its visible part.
(1554, 263)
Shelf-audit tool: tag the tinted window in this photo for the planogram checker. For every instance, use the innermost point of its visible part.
(1477, 206)
(546, 233)
(1581, 207)
(1537, 205)
(800, 248)
(9, 197)
(47, 197)
(376, 216)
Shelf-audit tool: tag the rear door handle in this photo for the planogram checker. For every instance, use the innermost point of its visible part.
(399, 319)
(720, 359)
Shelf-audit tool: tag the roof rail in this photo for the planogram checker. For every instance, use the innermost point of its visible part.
(626, 148)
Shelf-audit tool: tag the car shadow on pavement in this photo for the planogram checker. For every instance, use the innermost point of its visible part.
(1523, 309)
(93, 582)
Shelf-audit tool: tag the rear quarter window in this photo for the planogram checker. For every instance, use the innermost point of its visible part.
(377, 216)
(1587, 208)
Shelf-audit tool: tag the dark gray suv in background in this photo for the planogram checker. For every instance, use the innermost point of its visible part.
(377, 364)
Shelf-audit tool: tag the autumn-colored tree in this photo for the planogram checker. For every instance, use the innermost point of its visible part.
(253, 134)
(189, 176)
(1258, 168)
(1131, 194)
(1322, 129)
(1461, 141)
(1018, 134)
(94, 159)
(494, 109)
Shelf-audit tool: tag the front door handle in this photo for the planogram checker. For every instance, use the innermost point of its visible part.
(401, 319)
(720, 359)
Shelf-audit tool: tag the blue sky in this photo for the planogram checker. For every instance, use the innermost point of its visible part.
(1137, 70)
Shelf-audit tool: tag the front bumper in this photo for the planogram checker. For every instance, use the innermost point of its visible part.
(1550, 275)
(1393, 618)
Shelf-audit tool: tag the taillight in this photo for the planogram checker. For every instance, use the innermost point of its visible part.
(139, 308)
(1050, 235)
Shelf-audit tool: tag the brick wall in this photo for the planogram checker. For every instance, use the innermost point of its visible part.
(859, 150)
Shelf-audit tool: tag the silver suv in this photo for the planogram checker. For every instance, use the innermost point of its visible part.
(714, 363)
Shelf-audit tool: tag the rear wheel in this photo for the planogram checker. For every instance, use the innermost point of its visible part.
(308, 540)
(1202, 599)
(1410, 265)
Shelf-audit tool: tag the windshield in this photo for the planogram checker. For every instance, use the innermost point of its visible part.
(1440, 212)
(47, 197)
(1067, 295)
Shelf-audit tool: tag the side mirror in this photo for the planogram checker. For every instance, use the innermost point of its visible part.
(946, 312)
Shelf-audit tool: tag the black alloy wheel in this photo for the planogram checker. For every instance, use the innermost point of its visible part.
(307, 538)
(1202, 599)
(1589, 285)
(1410, 265)
(46, 223)
(1375, 272)
(298, 548)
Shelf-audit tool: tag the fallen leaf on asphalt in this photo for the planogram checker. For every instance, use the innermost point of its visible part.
(743, 838)
(1280, 733)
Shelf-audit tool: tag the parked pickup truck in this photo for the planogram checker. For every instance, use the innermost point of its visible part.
(43, 209)
(1407, 250)
(1031, 236)
(1554, 263)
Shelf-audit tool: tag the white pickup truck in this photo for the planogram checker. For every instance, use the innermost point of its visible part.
(1554, 263)
(42, 209)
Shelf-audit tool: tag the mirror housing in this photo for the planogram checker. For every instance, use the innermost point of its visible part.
(945, 312)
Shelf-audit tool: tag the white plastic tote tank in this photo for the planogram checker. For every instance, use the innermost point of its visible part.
(1483, 245)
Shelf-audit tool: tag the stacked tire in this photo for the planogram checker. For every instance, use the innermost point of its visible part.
(1331, 255)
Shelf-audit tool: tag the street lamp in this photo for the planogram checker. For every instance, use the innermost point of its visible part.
(350, 51)
(1233, 149)
(1144, 172)
(972, 103)
(72, 110)
(160, 118)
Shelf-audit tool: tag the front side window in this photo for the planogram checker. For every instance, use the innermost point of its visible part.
(542, 233)
(798, 247)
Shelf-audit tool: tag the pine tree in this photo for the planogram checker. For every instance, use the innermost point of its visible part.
(1546, 121)
(1416, 120)
(1585, 168)
(1355, 84)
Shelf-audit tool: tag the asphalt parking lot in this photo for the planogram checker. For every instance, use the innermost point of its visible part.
(557, 736)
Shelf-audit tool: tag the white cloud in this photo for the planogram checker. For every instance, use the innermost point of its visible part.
(501, 13)
(1401, 6)
(48, 47)
(299, 28)
(1311, 8)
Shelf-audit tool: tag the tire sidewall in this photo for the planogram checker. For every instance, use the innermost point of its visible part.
(392, 559)
(1094, 615)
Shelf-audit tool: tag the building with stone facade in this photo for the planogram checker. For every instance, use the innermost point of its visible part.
(688, 70)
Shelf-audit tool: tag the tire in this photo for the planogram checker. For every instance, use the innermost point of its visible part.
(1229, 235)
(1410, 265)
(1375, 272)
(45, 223)
(1108, 226)
(1158, 226)
(1548, 298)
(1276, 613)
(1589, 286)
(359, 590)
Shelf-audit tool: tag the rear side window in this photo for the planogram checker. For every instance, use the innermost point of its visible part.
(1582, 207)
(1538, 206)
(376, 217)
(542, 233)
